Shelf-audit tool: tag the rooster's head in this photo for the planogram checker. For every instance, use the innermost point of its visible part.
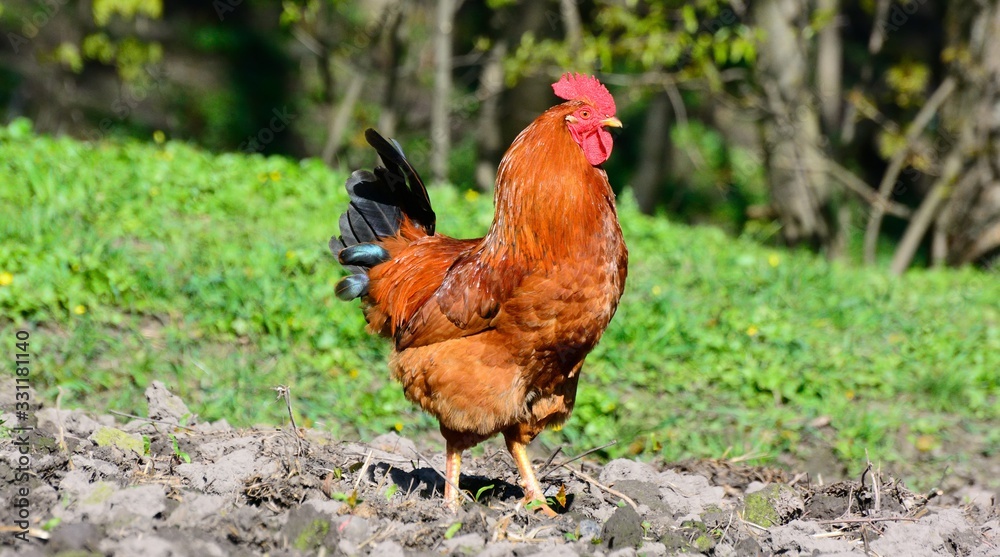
(593, 109)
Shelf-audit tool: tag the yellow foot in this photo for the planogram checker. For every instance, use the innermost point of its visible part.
(452, 473)
(453, 505)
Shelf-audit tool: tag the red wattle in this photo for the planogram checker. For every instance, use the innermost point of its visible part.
(597, 146)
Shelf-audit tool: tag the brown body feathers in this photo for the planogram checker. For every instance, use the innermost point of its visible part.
(490, 334)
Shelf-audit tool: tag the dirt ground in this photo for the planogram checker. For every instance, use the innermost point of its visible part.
(174, 486)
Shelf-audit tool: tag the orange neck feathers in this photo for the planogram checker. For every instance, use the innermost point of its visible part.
(551, 203)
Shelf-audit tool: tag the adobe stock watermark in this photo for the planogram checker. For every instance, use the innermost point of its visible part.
(899, 15)
(31, 25)
(223, 7)
(278, 123)
(21, 502)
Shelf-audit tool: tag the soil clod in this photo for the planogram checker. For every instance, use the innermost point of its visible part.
(169, 485)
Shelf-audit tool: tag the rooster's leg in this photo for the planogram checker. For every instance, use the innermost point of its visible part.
(452, 472)
(532, 489)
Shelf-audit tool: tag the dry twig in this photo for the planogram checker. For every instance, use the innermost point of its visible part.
(62, 430)
(601, 486)
(868, 520)
(285, 392)
(574, 459)
(361, 472)
(161, 422)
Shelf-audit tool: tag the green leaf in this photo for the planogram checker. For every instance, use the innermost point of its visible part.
(452, 530)
(482, 490)
(690, 19)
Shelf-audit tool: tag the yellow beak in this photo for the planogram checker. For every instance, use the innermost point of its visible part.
(612, 122)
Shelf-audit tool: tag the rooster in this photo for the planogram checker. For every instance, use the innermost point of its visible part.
(490, 334)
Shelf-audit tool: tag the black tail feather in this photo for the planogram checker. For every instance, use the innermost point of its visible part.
(378, 203)
(364, 255)
(352, 286)
(399, 172)
(374, 211)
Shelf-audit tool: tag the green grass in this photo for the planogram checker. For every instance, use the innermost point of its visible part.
(132, 262)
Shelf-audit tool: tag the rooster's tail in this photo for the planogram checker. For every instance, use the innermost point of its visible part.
(379, 203)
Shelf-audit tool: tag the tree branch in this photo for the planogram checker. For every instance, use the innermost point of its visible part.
(898, 160)
(571, 22)
(340, 116)
(928, 210)
(440, 113)
(858, 187)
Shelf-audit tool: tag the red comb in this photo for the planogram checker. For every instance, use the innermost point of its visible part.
(576, 87)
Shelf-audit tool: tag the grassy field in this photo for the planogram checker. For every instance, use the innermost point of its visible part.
(132, 262)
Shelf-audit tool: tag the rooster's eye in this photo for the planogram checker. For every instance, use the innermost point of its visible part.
(584, 114)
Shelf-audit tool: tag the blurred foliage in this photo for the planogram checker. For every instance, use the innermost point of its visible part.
(211, 273)
(214, 73)
(129, 55)
(692, 39)
(908, 81)
(105, 10)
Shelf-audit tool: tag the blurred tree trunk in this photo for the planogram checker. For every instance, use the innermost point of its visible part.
(800, 193)
(505, 112)
(440, 113)
(571, 23)
(970, 214)
(340, 118)
(653, 153)
(392, 49)
(489, 136)
(962, 208)
(829, 65)
(532, 94)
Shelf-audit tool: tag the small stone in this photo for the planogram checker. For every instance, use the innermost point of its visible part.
(561, 550)
(388, 548)
(754, 487)
(348, 548)
(652, 549)
(72, 422)
(99, 469)
(165, 406)
(137, 504)
(623, 529)
(197, 508)
(674, 542)
(749, 547)
(111, 437)
(624, 469)
(147, 546)
(644, 493)
(588, 530)
(352, 528)
(498, 549)
(469, 544)
(308, 530)
(776, 504)
(213, 427)
(78, 536)
(228, 473)
(688, 494)
(393, 443)
(725, 550)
